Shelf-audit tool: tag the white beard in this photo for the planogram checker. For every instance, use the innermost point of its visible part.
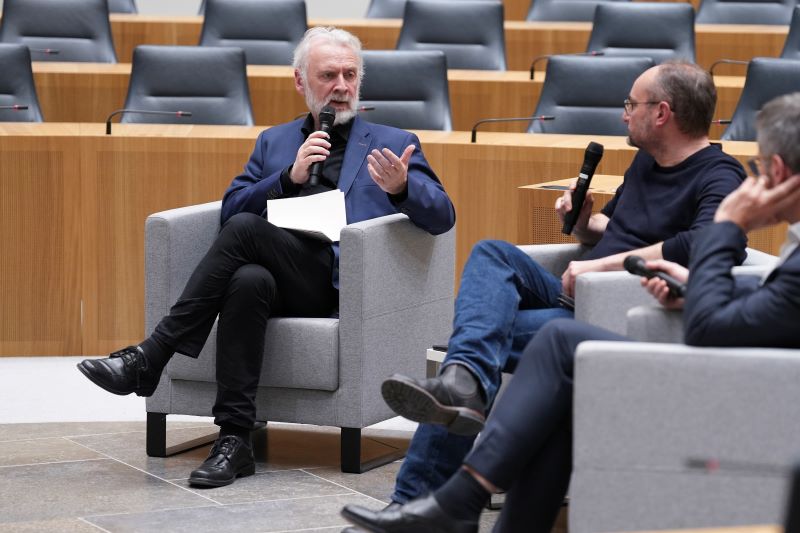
(342, 117)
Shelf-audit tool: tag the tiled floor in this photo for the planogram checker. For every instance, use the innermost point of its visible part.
(82, 476)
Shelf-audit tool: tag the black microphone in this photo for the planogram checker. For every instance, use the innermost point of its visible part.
(474, 136)
(143, 112)
(45, 51)
(548, 56)
(14, 107)
(592, 156)
(635, 265)
(721, 121)
(326, 117)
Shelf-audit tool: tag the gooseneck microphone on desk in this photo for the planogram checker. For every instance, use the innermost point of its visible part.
(635, 265)
(474, 136)
(45, 51)
(14, 107)
(591, 158)
(326, 117)
(548, 56)
(143, 112)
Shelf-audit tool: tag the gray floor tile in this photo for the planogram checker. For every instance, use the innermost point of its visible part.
(49, 450)
(10, 432)
(63, 525)
(61, 490)
(279, 515)
(267, 486)
(377, 483)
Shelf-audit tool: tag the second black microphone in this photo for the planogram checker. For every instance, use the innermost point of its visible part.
(591, 158)
(326, 117)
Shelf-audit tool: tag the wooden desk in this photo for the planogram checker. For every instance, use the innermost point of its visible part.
(524, 40)
(88, 92)
(538, 222)
(74, 203)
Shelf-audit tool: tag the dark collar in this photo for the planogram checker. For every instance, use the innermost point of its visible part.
(342, 130)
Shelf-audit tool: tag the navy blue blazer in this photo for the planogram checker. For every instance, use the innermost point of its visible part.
(427, 204)
(723, 310)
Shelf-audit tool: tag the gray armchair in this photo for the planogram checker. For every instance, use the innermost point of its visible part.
(396, 300)
(604, 298)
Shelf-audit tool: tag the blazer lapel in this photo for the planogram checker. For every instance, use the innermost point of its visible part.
(355, 154)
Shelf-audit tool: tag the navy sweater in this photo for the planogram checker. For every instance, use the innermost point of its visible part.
(668, 204)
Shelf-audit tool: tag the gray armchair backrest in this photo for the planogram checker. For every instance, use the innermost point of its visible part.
(662, 31)
(79, 30)
(408, 89)
(122, 6)
(767, 77)
(267, 31)
(386, 9)
(210, 82)
(566, 10)
(470, 33)
(16, 84)
(748, 12)
(791, 48)
(585, 94)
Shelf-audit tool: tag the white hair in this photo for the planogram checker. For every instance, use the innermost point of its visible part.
(331, 35)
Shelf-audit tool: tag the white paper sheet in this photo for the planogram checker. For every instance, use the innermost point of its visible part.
(319, 215)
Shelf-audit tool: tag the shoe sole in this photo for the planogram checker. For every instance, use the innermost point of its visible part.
(248, 470)
(415, 403)
(88, 373)
(359, 523)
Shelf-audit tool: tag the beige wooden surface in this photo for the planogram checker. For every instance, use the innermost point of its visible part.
(74, 202)
(524, 40)
(89, 92)
(538, 222)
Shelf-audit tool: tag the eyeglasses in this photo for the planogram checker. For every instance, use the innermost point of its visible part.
(629, 104)
(756, 166)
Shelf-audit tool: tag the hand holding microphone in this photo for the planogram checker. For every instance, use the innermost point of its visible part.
(637, 266)
(591, 158)
(326, 117)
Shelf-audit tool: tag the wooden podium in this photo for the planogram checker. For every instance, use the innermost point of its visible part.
(539, 224)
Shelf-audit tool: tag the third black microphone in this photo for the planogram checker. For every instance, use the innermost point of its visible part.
(326, 117)
(591, 158)
(636, 265)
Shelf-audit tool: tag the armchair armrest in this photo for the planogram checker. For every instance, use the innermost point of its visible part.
(653, 323)
(604, 298)
(395, 302)
(554, 257)
(174, 242)
(641, 410)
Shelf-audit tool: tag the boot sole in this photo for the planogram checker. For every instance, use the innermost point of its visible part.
(415, 403)
(248, 470)
(88, 373)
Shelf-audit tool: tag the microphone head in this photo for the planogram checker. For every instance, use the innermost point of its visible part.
(591, 158)
(634, 264)
(326, 116)
(594, 151)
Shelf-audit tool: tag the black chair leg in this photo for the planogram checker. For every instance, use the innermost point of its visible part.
(157, 438)
(351, 454)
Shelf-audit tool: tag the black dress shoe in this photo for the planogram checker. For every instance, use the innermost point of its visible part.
(123, 372)
(230, 457)
(452, 399)
(419, 516)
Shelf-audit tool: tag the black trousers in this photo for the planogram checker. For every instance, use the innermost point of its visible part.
(526, 446)
(253, 271)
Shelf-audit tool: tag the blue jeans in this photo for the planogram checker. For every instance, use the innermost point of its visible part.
(504, 299)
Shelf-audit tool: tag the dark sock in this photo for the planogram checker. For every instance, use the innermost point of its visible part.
(230, 429)
(156, 352)
(462, 496)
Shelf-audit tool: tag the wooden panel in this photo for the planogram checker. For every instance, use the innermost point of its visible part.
(539, 224)
(524, 40)
(39, 228)
(126, 178)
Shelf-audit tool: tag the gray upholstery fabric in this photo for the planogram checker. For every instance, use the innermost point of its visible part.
(122, 6)
(659, 30)
(210, 82)
(408, 89)
(386, 9)
(585, 94)
(470, 33)
(748, 12)
(395, 301)
(567, 10)
(767, 78)
(791, 48)
(79, 30)
(268, 32)
(16, 84)
(642, 410)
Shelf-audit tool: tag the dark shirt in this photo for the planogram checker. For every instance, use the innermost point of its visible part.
(669, 204)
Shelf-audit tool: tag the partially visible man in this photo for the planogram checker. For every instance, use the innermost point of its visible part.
(671, 190)
(255, 270)
(526, 446)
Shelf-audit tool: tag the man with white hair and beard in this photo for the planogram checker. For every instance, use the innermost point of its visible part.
(255, 270)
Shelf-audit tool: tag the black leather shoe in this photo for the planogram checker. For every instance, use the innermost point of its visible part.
(123, 372)
(452, 399)
(419, 516)
(230, 457)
